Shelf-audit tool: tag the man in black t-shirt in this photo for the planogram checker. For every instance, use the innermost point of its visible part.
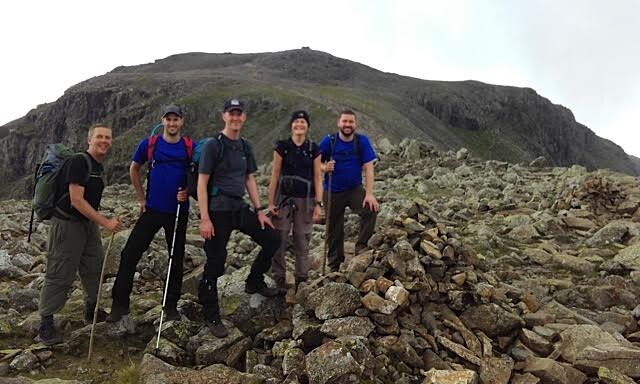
(221, 186)
(75, 245)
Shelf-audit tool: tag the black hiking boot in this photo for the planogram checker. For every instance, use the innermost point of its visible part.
(260, 287)
(116, 314)
(47, 332)
(217, 328)
(172, 313)
(89, 308)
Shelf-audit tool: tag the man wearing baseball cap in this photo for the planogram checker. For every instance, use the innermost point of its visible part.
(222, 183)
(168, 157)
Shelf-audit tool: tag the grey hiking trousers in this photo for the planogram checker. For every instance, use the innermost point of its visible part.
(296, 211)
(75, 247)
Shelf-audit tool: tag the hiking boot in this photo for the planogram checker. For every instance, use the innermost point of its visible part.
(359, 249)
(216, 328)
(261, 288)
(172, 313)
(115, 315)
(281, 287)
(47, 332)
(89, 308)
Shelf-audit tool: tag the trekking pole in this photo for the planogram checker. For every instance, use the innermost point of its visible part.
(95, 311)
(166, 283)
(326, 223)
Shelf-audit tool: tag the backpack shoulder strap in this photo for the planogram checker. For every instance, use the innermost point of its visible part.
(89, 165)
(151, 146)
(188, 145)
(356, 145)
(245, 147)
(220, 147)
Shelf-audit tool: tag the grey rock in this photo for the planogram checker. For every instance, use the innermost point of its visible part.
(491, 319)
(611, 233)
(573, 263)
(466, 376)
(334, 300)
(550, 371)
(347, 326)
(496, 370)
(462, 154)
(590, 347)
(25, 361)
(610, 376)
(334, 361)
(629, 257)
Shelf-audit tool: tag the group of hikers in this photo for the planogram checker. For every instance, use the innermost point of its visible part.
(226, 171)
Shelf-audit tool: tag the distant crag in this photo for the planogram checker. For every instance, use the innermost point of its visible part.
(495, 122)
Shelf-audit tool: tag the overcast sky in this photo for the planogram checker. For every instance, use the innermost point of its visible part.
(583, 54)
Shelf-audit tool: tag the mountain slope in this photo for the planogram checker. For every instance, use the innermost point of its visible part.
(494, 122)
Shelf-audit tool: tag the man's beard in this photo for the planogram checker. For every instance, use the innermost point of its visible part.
(347, 134)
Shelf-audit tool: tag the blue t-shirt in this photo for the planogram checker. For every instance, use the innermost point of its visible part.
(347, 173)
(168, 173)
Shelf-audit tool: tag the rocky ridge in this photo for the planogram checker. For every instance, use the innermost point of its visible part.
(479, 272)
(495, 122)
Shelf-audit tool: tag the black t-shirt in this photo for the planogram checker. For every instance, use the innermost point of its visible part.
(297, 161)
(75, 171)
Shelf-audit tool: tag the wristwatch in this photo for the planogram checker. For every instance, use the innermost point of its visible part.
(319, 204)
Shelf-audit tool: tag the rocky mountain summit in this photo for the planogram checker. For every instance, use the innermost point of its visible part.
(494, 122)
(479, 272)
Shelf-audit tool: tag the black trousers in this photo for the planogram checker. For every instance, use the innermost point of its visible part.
(224, 222)
(141, 236)
(339, 202)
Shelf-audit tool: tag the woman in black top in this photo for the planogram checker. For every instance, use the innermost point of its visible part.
(295, 197)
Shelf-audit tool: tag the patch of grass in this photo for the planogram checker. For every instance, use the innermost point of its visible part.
(127, 375)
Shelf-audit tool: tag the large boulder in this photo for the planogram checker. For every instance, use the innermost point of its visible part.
(629, 257)
(335, 360)
(334, 300)
(589, 347)
(250, 313)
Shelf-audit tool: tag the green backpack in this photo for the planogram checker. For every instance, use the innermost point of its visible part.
(45, 196)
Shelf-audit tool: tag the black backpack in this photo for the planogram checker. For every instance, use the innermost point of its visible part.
(192, 173)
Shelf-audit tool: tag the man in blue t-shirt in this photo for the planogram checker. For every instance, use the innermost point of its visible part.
(168, 160)
(346, 155)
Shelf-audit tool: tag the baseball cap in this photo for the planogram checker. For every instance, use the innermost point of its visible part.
(172, 109)
(232, 104)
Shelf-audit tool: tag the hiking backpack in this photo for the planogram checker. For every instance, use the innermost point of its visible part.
(192, 172)
(45, 189)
